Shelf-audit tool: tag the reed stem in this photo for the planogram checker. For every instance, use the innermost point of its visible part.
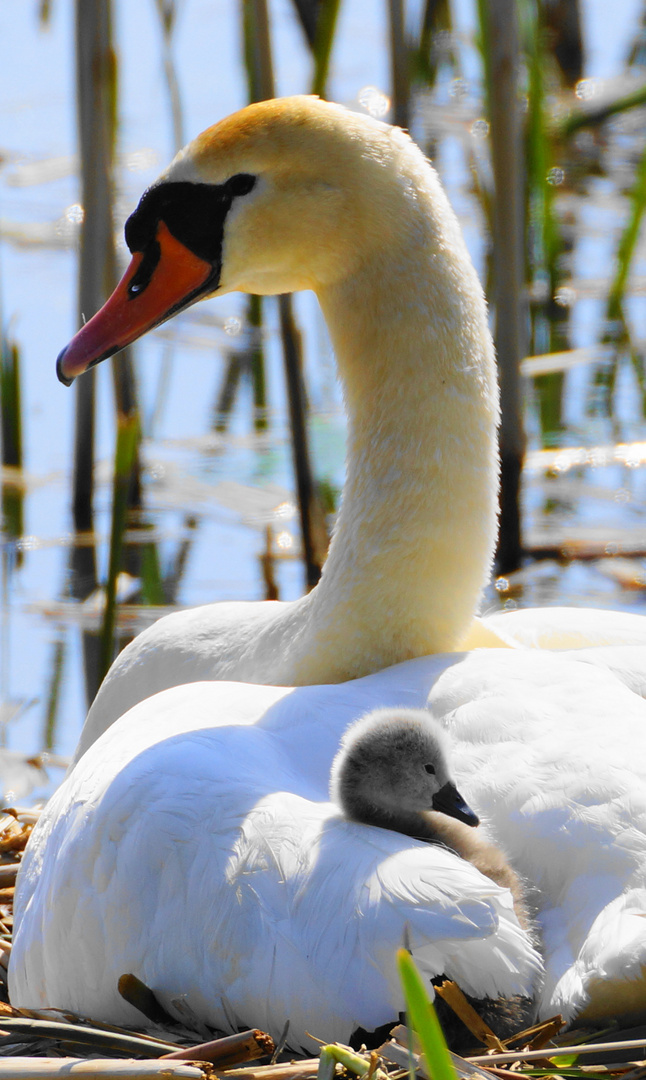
(96, 97)
(501, 53)
(314, 544)
(399, 64)
(167, 11)
(258, 56)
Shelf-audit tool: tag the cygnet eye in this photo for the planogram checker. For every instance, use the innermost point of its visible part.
(430, 768)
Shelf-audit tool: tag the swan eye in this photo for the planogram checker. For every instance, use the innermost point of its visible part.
(430, 769)
(240, 184)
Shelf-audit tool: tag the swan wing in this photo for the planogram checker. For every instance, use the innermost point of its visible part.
(178, 650)
(606, 976)
(184, 865)
(549, 750)
(626, 662)
(562, 628)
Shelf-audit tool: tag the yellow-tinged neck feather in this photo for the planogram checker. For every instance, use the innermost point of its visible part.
(414, 540)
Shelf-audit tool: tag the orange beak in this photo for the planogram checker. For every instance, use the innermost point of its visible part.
(178, 278)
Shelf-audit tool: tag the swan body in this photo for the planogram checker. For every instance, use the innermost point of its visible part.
(137, 863)
(303, 194)
(208, 861)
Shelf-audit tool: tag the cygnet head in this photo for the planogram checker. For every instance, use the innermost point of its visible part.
(394, 762)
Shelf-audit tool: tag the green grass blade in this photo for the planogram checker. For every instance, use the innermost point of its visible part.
(152, 583)
(322, 48)
(581, 118)
(10, 404)
(127, 442)
(628, 240)
(257, 362)
(423, 1019)
(426, 58)
(54, 694)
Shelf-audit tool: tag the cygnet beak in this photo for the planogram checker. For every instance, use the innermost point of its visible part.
(449, 801)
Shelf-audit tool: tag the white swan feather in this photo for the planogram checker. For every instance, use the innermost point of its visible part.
(208, 862)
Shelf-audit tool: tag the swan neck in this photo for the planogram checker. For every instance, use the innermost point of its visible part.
(415, 535)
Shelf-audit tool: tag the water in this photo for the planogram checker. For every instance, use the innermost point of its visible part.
(216, 493)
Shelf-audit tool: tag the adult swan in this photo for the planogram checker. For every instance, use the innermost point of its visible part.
(286, 195)
(302, 194)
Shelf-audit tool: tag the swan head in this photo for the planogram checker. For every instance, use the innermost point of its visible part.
(284, 195)
(394, 761)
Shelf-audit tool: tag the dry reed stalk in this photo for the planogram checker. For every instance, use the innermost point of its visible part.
(450, 993)
(26, 815)
(396, 1052)
(8, 873)
(290, 1070)
(230, 1050)
(559, 1051)
(21, 1068)
(267, 565)
(141, 997)
(538, 1035)
(503, 1074)
(97, 1039)
(14, 837)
